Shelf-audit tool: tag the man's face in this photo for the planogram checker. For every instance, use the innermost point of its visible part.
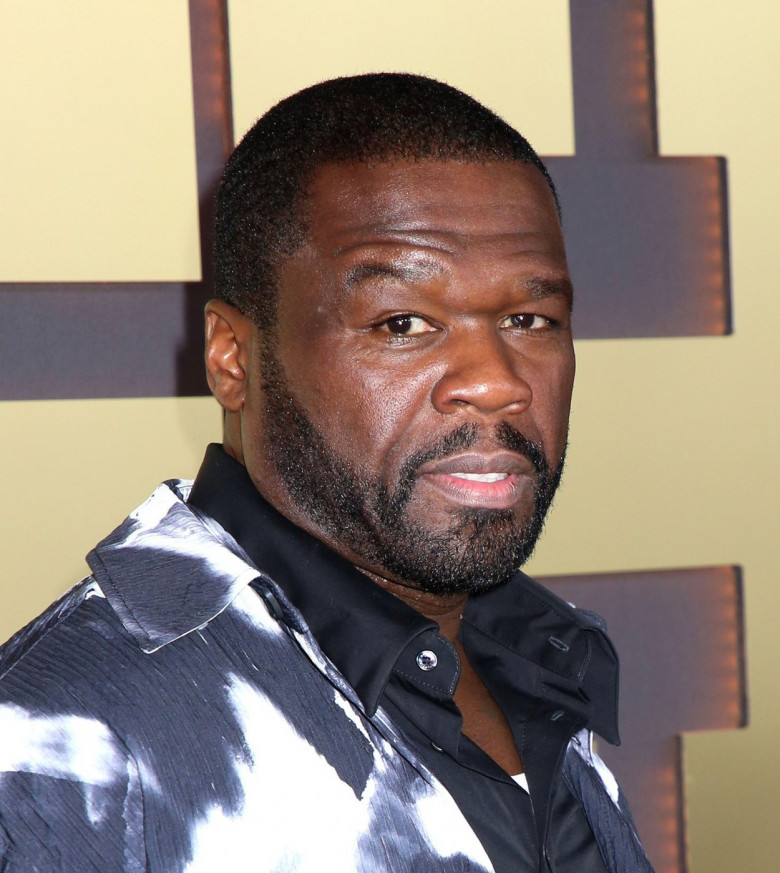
(411, 408)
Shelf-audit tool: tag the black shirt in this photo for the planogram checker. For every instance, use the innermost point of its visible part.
(551, 671)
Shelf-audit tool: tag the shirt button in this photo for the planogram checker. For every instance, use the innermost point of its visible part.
(427, 660)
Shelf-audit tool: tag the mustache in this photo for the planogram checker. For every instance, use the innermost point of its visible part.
(464, 437)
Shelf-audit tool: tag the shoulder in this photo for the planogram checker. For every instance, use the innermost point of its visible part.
(66, 776)
(53, 633)
(61, 684)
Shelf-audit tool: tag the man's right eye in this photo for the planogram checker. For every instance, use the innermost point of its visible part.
(407, 325)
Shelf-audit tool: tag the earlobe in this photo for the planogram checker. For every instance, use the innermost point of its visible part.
(228, 352)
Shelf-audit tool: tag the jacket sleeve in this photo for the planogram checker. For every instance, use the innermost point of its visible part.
(605, 807)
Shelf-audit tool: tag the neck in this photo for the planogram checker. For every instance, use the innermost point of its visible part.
(445, 609)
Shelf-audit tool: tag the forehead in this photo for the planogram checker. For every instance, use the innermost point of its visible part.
(349, 203)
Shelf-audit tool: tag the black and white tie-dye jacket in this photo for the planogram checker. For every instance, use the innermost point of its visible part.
(163, 717)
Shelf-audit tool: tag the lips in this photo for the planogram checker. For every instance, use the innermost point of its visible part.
(475, 463)
(496, 480)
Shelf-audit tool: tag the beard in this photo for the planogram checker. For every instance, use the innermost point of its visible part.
(480, 551)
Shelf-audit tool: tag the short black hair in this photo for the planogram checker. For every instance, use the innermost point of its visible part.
(374, 117)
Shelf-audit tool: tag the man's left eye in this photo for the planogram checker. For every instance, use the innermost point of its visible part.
(407, 325)
(526, 321)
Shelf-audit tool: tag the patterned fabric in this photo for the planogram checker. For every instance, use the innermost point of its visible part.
(164, 717)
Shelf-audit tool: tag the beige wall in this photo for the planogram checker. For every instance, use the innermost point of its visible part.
(97, 146)
(673, 459)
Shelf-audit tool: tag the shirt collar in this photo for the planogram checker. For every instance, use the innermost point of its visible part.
(525, 623)
(364, 630)
(360, 627)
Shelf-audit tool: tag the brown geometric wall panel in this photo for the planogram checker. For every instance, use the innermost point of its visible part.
(646, 235)
(679, 637)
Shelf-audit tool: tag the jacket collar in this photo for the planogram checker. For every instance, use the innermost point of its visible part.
(167, 570)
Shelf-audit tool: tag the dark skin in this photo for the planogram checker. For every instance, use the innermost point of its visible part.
(438, 292)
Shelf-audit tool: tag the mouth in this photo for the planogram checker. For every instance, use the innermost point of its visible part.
(485, 481)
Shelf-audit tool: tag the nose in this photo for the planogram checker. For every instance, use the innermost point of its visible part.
(482, 375)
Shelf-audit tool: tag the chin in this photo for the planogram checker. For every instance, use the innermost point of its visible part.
(482, 552)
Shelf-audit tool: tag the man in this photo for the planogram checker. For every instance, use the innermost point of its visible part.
(321, 655)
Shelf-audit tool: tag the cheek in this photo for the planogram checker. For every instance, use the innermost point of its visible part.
(393, 401)
(370, 412)
(552, 399)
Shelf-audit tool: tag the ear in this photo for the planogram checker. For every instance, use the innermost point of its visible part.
(228, 353)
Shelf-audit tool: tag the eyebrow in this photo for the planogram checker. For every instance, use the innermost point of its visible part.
(408, 273)
(540, 289)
